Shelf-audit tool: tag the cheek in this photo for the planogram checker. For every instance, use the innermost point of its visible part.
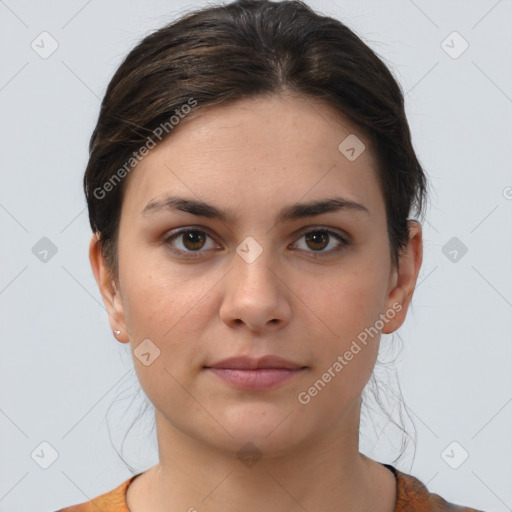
(347, 344)
(348, 302)
(164, 310)
(346, 313)
(169, 309)
(154, 296)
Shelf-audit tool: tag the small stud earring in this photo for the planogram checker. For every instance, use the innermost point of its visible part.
(117, 332)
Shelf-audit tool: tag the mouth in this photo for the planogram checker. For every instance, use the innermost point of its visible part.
(252, 374)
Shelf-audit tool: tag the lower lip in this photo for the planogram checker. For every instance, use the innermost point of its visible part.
(260, 379)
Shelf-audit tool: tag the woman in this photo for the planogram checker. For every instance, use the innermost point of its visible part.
(249, 186)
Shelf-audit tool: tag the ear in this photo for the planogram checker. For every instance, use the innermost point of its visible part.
(403, 279)
(109, 289)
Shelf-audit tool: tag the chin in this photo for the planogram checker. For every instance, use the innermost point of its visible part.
(270, 428)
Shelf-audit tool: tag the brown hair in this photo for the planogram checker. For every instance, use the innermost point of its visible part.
(217, 55)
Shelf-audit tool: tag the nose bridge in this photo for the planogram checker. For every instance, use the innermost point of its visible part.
(253, 262)
(254, 294)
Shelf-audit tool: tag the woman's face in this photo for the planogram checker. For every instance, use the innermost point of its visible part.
(257, 274)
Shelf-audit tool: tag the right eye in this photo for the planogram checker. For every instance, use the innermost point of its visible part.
(191, 240)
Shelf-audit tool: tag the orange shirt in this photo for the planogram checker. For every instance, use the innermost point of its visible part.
(412, 496)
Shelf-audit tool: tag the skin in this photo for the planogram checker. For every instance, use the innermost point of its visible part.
(255, 157)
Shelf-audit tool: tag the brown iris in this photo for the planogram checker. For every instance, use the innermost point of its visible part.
(193, 240)
(316, 237)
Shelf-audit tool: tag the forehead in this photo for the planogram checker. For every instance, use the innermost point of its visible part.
(259, 150)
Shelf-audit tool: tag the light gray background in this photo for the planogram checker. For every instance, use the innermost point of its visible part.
(61, 367)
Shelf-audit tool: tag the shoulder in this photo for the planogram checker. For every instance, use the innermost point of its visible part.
(413, 496)
(112, 501)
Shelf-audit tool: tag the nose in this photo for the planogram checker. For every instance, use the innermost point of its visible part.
(256, 295)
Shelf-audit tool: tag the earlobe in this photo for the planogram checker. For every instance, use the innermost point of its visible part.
(108, 289)
(404, 283)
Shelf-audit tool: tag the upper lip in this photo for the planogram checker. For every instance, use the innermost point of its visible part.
(249, 363)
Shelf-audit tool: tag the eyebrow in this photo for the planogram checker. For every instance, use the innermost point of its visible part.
(296, 211)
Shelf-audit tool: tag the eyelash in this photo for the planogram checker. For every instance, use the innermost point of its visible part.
(197, 254)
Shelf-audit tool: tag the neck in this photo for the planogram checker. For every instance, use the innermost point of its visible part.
(326, 474)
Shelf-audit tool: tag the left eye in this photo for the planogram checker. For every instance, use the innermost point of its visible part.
(319, 239)
(193, 240)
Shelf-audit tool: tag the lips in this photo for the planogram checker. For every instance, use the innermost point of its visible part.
(251, 374)
(249, 363)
